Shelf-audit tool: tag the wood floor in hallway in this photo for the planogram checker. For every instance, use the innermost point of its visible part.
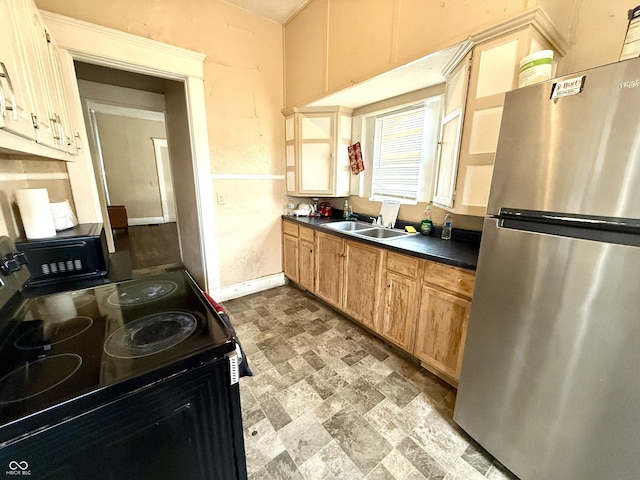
(149, 246)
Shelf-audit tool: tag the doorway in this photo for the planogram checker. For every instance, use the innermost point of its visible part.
(125, 116)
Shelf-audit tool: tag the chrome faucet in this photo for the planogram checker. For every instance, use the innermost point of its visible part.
(377, 221)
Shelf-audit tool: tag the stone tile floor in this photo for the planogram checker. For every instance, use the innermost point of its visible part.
(329, 401)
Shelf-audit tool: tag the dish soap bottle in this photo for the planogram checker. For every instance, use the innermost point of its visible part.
(426, 224)
(447, 225)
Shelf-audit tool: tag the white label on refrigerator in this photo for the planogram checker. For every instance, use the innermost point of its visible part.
(570, 86)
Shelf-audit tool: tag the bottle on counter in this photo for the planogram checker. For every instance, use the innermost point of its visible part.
(345, 211)
(426, 225)
(447, 225)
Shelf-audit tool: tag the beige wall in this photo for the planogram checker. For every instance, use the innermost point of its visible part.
(16, 172)
(243, 79)
(130, 163)
(244, 85)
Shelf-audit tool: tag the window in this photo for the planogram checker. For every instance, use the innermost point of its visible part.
(404, 148)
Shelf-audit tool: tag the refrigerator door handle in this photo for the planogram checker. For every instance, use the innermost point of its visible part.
(619, 231)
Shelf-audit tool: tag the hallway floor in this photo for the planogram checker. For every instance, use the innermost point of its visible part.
(152, 248)
(330, 401)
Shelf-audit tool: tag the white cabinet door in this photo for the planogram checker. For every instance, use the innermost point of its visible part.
(40, 69)
(455, 98)
(316, 159)
(15, 89)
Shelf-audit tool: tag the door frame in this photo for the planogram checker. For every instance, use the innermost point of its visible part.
(112, 48)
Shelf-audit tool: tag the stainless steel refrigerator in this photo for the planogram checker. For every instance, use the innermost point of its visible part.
(550, 381)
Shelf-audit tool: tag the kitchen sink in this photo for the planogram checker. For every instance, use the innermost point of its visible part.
(380, 233)
(347, 226)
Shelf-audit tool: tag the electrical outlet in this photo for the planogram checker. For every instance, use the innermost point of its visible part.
(221, 199)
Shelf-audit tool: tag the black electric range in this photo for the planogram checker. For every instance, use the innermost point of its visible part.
(120, 359)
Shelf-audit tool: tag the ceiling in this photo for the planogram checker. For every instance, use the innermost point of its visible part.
(277, 10)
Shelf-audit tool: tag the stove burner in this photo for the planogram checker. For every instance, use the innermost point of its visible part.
(150, 334)
(51, 333)
(140, 293)
(37, 377)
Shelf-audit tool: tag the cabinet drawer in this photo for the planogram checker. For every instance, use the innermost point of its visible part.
(305, 234)
(289, 228)
(450, 278)
(403, 264)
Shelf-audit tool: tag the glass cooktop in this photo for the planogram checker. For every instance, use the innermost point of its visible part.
(63, 346)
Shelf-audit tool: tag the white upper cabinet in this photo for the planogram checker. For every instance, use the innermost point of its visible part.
(33, 86)
(316, 157)
(15, 90)
(474, 97)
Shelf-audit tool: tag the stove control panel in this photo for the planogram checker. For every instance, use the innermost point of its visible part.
(12, 262)
(13, 273)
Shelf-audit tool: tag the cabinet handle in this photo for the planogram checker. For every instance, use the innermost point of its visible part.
(60, 130)
(54, 129)
(13, 107)
(78, 142)
(388, 285)
(3, 103)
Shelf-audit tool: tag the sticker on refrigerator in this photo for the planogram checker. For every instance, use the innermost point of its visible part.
(568, 87)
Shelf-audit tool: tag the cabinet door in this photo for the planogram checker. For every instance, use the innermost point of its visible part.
(290, 256)
(306, 260)
(398, 320)
(455, 97)
(494, 71)
(329, 268)
(316, 165)
(40, 71)
(306, 264)
(442, 331)
(15, 90)
(363, 266)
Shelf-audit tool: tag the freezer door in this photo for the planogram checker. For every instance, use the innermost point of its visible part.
(550, 381)
(578, 153)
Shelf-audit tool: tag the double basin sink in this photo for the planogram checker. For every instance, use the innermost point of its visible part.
(365, 230)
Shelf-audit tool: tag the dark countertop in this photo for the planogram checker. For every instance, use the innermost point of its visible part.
(455, 252)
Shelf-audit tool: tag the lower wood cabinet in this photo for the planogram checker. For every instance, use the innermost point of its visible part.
(298, 248)
(419, 305)
(306, 258)
(445, 303)
(400, 300)
(290, 256)
(329, 268)
(362, 270)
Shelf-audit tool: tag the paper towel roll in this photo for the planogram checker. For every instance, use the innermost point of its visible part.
(37, 220)
(63, 216)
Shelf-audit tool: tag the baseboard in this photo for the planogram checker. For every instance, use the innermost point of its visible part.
(145, 221)
(256, 285)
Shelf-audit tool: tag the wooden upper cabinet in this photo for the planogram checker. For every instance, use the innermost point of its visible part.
(305, 54)
(360, 40)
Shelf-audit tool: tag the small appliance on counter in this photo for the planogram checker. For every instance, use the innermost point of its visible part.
(325, 209)
(304, 210)
(72, 254)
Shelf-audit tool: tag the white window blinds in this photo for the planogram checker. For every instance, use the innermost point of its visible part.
(398, 154)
